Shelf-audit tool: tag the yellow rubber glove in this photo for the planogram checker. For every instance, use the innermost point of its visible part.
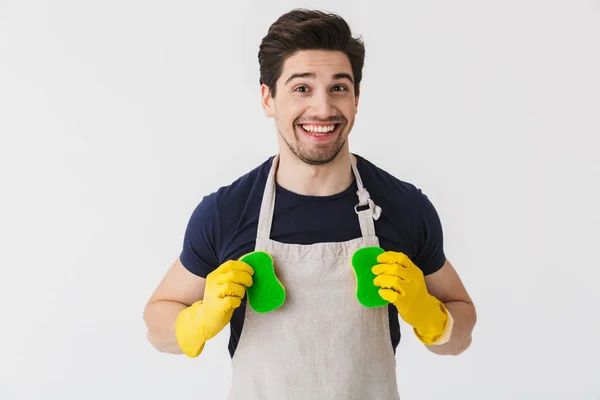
(403, 284)
(224, 291)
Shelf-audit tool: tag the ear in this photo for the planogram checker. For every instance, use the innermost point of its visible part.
(356, 98)
(267, 100)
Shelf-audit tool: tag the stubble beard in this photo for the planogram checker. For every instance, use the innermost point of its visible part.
(320, 156)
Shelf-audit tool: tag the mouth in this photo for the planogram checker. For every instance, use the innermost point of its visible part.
(320, 131)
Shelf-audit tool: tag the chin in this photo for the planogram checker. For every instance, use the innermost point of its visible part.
(318, 146)
(321, 155)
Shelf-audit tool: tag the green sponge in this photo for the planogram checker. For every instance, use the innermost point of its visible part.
(367, 292)
(266, 292)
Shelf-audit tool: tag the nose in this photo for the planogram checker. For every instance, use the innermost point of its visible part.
(322, 105)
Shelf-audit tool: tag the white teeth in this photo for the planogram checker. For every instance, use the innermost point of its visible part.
(320, 129)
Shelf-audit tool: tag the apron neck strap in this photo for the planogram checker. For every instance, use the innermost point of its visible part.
(365, 216)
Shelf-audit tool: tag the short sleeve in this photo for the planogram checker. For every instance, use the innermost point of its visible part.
(200, 242)
(430, 255)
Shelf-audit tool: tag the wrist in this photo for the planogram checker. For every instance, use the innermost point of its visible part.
(436, 329)
(188, 330)
(447, 333)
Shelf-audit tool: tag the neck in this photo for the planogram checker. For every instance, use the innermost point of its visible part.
(314, 180)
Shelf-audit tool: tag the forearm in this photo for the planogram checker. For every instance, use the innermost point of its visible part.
(465, 317)
(160, 320)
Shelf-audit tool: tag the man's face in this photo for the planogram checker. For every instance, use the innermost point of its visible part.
(315, 104)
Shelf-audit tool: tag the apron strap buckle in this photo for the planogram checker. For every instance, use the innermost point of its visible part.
(365, 199)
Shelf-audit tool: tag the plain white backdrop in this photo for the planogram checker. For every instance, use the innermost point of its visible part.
(116, 117)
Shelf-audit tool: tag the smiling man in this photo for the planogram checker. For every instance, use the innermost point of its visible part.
(316, 138)
(308, 207)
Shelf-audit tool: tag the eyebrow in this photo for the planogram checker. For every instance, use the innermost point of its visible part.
(341, 75)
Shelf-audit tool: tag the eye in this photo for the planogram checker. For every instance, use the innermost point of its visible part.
(340, 88)
(301, 89)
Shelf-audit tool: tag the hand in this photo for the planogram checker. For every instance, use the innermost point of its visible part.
(225, 288)
(224, 291)
(402, 283)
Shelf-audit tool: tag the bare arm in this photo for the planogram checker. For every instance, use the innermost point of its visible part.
(446, 286)
(178, 290)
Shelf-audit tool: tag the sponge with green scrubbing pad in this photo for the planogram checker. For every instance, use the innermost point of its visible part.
(367, 292)
(266, 292)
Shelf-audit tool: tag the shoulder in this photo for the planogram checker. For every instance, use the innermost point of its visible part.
(216, 217)
(402, 202)
(218, 211)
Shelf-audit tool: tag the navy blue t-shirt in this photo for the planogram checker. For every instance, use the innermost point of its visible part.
(224, 224)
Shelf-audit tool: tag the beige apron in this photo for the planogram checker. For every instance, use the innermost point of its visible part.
(321, 343)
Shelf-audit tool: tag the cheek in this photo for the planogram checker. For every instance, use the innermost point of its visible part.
(347, 107)
(288, 111)
(291, 115)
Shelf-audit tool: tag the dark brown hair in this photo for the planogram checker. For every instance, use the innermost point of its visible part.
(302, 29)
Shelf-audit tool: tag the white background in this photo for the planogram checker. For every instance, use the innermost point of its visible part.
(116, 117)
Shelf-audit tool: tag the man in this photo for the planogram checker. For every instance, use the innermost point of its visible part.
(311, 207)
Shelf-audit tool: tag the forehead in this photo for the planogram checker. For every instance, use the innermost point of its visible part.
(323, 63)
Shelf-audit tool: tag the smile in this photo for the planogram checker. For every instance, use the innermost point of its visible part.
(320, 129)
